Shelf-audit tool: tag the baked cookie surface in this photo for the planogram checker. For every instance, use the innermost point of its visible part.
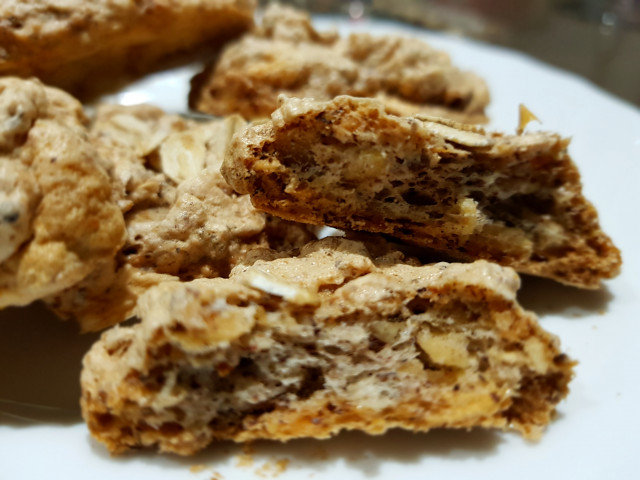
(74, 43)
(512, 199)
(183, 221)
(286, 55)
(58, 215)
(329, 340)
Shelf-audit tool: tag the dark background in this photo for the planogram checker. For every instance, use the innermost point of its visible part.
(597, 39)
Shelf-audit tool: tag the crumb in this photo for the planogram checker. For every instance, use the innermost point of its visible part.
(273, 468)
(244, 460)
(282, 465)
(217, 476)
(197, 468)
(264, 470)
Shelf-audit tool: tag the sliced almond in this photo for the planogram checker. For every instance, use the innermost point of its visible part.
(182, 155)
(219, 136)
(270, 284)
(445, 349)
(461, 137)
(526, 116)
(450, 123)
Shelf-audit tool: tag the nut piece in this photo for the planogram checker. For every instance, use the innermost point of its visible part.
(371, 164)
(461, 137)
(388, 332)
(219, 135)
(445, 349)
(526, 117)
(132, 131)
(470, 216)
(182, 155)
(537, 352)
(270, 284)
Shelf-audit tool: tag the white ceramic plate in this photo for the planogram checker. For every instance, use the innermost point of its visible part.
(597, 430)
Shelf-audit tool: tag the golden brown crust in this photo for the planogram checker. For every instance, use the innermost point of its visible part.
(513, 199)
(78, 43)
(285, 55)
(60, 217)
(332, 339)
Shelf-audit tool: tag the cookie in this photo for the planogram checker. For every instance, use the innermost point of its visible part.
(83, 45)
(512, 199)
(286, 55)
(183, 221)
(58, 215)
(332, 339)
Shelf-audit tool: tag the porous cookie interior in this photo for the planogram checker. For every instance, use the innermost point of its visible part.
(515, 200)
(259, 357)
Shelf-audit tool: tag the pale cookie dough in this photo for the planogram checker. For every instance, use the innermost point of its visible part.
(331, 340)
(286, 55)
(78, 44)
(58, 214)
(512, 199)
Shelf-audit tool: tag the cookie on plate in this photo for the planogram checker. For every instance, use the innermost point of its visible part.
(330, 340)
(58, 214)
(75, 44)
(183, 221)
(286, 55)
(512, 199)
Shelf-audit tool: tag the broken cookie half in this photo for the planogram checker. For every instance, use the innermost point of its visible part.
(512, 199)
(332, 339)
